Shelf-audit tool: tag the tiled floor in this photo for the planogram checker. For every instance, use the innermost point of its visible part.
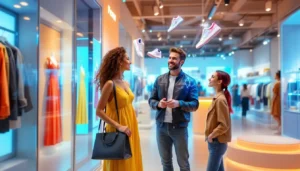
(197, 146)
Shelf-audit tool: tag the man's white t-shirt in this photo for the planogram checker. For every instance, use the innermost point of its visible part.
(168, 116)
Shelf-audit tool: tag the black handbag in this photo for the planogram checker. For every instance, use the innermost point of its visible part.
(111, 145)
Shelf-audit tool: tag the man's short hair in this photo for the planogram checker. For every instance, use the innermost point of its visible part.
(181, 52)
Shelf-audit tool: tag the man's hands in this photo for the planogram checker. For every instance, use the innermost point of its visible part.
(162, 103)
(170, 104)
(173, 103)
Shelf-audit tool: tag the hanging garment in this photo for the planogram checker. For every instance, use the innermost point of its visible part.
(81, 113)
(4, 90)
(276, 104)
(13, 89)
(53, 128)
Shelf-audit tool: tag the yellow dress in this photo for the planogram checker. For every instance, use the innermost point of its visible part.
(128, 118)
(81, 113)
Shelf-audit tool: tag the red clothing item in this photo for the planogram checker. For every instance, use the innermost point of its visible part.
(4, 91)
(53, 128)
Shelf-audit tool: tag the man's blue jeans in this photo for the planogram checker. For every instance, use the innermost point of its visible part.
(216, 152)
(166, 136)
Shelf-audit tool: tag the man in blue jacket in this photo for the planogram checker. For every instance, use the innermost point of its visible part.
(174, 96)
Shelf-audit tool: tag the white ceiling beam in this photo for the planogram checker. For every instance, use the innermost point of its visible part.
(138, 8)
(201, 15)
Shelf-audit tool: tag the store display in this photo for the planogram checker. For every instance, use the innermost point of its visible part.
(13, 100)
(208, 34)
(81, 112)
(156, 53)
(53, 127)
(175, 22)
(139, 47)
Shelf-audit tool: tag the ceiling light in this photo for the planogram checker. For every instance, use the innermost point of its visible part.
(184, 36)
(156, 10)
(232, 52)
(210, 18)
(161, 5)
(150, 31)
(241, 23)
(220, 39)
(24, 3)
(159, 39)
(268, 5)
(251, 50)
(26, 18)
(203, 20)
(278, 35)
(143, 30)
(181, 46)
(266, 42)
(17, 6)
(226, 2)
(230, 37)
(79, 34)
(91, 42)
(59, 21)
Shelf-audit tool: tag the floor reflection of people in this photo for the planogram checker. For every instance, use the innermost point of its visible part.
(114, 63)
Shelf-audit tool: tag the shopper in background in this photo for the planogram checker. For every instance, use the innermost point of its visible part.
(276, 103)
(218, 123)
(115, 62)
(174, 96)
(200, 89)
(245, 95)
(235, 96)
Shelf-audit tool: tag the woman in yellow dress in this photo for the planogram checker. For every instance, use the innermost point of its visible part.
(114, 63)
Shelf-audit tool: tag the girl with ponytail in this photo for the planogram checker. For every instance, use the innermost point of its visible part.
(218, 122)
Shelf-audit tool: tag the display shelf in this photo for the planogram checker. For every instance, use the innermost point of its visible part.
(293, 111)
(293, 72)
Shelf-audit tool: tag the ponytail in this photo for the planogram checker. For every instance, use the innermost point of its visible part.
(228, 98)
(225, 82)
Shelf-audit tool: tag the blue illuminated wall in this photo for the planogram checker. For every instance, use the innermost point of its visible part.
(7, 22)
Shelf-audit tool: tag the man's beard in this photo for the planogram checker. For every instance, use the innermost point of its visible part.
(174, 67)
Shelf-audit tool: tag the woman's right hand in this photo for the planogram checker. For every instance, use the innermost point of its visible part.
(125, 130)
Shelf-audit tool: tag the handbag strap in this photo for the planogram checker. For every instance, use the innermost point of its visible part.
(117, 109)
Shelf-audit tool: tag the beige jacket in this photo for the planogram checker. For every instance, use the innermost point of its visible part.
(218, 121)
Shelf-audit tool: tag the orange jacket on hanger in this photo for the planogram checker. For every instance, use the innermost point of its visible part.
(4, 91)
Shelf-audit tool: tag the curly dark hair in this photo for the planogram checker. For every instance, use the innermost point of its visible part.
(110, 66)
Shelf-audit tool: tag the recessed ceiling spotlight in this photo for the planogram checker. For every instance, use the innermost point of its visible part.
(220, 39)
(143, 30)
(184, 36)
(251, 50)
(26, 18)
(156, 11)
(181, 46)
(278, 35)
(230, 37)
(268, 6)
(24, 4)
(150, 31)
(79, 34)
(241, 23)
(59, 21)
(17, 6)
(159, 39)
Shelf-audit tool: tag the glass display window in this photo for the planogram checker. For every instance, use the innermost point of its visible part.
(290, 75)
(18, 120)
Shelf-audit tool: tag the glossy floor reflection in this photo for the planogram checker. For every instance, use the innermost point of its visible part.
(253, 124)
